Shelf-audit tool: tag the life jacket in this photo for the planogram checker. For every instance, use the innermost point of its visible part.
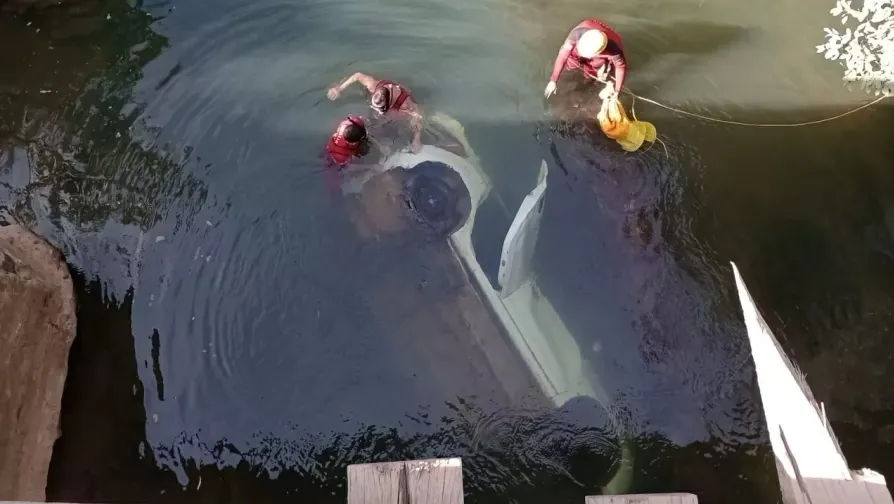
(339, 148)
(396, 101)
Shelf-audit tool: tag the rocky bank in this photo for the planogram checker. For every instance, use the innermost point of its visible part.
(37, 327)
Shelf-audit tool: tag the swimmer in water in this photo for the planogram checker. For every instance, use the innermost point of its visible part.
(598, 51)
(349, 143)
(387, 97)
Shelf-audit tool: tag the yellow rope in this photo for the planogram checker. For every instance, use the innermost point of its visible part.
(760, 125)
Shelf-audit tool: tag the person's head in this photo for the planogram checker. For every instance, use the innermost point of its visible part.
(355, 130)
(591, 43)
(381, 99)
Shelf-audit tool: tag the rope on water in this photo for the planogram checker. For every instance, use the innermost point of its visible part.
(759, 125)
(740, 123)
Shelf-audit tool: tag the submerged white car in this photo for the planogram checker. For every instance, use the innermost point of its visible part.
(446, 186)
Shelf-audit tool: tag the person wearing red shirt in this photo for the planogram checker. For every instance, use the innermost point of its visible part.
(386, 97)
(598, 51)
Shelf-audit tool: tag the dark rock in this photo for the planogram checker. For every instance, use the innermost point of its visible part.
(37, 327)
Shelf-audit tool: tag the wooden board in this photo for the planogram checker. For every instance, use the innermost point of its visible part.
(672, 498)
(842, 492)
(435, 481)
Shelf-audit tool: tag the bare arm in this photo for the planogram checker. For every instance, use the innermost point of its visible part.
(416, 122)
(561, 58)
(620, 65)
(367, 81)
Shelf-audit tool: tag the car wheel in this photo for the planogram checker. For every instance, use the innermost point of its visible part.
(438, 197)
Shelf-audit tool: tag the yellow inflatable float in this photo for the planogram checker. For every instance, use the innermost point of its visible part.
(615, 123)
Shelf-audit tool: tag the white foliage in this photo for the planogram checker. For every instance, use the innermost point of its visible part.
(866, 51)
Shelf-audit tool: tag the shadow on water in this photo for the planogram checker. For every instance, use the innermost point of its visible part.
(67, 142)
(684, 43)
(244, 333)
(814, 229)
(657, 296)
(517, 458)
(806, 210)
(660, 52)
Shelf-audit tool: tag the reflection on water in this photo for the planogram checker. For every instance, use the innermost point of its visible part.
(518, 456)
(657, 327)
(245, 332)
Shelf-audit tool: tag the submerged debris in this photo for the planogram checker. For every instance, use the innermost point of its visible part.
(867, 51)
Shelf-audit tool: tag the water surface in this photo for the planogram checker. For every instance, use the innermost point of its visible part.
(247, 333)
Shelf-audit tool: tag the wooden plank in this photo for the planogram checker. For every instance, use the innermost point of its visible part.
(845, 492)
(875, 485)
(434, 481)
(879, 493)
(671, 498)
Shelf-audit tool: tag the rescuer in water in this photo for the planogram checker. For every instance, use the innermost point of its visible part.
(387, 98)
(350, 141)
(598, 51)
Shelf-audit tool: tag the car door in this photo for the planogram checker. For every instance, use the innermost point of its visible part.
(516, 260)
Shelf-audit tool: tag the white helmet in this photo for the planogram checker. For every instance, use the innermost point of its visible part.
(591, 43)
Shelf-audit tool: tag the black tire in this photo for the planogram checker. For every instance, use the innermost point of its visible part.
(438, 197)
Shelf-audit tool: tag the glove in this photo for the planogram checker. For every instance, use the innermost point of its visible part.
(550, 89)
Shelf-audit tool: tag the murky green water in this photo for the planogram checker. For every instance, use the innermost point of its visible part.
(245, 333)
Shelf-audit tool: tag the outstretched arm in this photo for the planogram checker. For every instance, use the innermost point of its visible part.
(367, 81)
(561, 58)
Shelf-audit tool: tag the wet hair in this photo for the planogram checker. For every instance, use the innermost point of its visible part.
(355, 132)
(381, 99)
